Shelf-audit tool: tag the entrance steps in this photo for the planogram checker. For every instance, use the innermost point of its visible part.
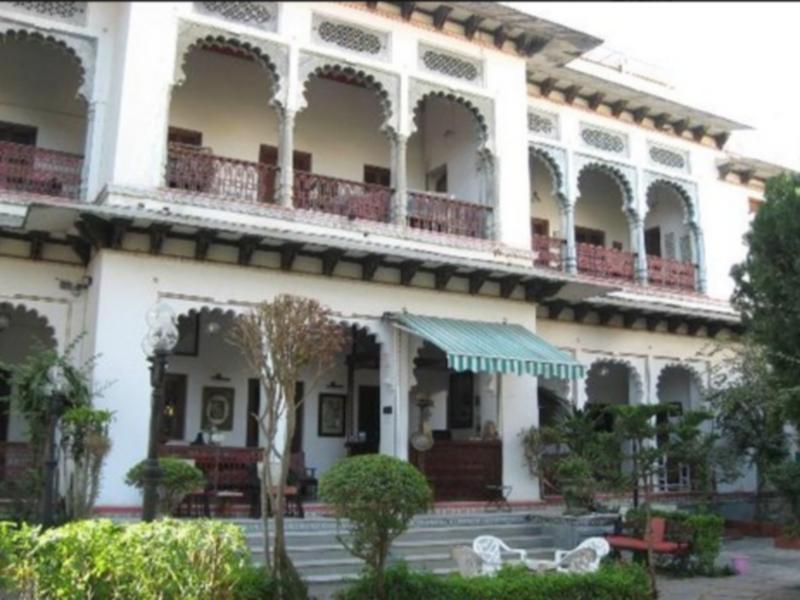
(326, 566)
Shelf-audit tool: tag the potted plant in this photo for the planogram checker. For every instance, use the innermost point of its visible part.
(786, 479)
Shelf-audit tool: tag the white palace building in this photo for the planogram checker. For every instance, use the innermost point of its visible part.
(500, 221)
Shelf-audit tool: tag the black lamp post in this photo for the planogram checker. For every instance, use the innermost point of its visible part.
(162, 335)
(56, 392)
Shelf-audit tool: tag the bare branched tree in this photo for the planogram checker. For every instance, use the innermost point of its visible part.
(283, 341)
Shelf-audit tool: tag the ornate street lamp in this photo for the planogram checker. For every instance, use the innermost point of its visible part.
(56, 390)
(162, 335)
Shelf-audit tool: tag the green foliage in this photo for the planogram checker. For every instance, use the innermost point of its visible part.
(85, 440)
(178, 478)
(786, 479)
(577, 484)
(612, 582)
(768, 284)
(745, 396)
(703, 531)
(202, 560)
(379, 495)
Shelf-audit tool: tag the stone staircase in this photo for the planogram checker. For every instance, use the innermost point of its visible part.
(326, 566)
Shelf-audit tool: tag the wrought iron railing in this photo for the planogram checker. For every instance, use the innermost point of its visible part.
(35, 170)
(15, 459)
(443, 215)
(605, 262)
(670, 273)
(351, 199)
(196, 169)
(548, 251)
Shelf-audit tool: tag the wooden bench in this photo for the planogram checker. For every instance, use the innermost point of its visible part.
(654, 539)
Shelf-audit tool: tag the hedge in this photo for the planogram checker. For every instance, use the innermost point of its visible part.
(199, 560)
(611, 582)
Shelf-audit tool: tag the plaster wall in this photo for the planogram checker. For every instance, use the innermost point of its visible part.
(547, 204)
(599, 206)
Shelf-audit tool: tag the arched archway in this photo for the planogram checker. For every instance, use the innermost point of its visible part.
(450, 166)
(548, 208)
(46, 84)
(672, 236)
(23, 332)
(605, 222)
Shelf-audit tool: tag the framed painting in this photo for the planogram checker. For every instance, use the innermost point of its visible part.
(217, 408)
(330, 416)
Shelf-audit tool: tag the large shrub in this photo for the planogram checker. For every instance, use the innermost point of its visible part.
(178, 478)
(577, 484)
(379, 495)
(786, 479)
(167, 559)
(613, 582)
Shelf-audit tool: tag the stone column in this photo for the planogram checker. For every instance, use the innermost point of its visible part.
(286, 157)
(700, 261)
(90, 170)
(570, 258)
(400, 179)
(638, 247)
(519, 409)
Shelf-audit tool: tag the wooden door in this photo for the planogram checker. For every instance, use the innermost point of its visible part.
(369, 416)
(652, 241)
(253, 408)
(173, 419)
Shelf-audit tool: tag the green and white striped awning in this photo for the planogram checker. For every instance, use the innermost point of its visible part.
(491, 347)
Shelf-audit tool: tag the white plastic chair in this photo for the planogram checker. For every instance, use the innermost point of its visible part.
(585, 558)
(490, 549)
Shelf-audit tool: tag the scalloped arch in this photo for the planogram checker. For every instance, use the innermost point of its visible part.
(383, 85)
(273, 57)
(9, 307)
(556, 168)
(688, 203)
(694, 373)
(638, 380)
(79, 49)
(624, 182)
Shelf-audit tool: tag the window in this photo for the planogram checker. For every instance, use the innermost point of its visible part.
(187, 137)
(754, 204)
(686, 248)
(437, 179)
(594, 237)
(540, 227)
(17, 134)
(268, 155)
(377, 175)
(669, 246)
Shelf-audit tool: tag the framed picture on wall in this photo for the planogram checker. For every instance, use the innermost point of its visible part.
(188, 335)
(217, 408)
(330, 416)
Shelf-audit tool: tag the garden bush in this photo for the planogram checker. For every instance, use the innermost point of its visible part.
(379, 495)
(702, 530)
(786, 479)
(178, 478)
(611, 582)
(167, 559)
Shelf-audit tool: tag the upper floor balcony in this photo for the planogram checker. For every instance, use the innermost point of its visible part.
(42, 119)
(337, 156)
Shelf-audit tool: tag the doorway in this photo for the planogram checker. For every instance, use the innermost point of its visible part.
(369, 417)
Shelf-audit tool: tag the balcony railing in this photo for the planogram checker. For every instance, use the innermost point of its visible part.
(605, 262)
(197, 170)
(35, 170)
(442, 215)
(548, 251)
(670, 273)
(350, 199)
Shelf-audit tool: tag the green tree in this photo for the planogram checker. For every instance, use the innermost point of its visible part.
(745, 396)
(379, 495)
(768, 285)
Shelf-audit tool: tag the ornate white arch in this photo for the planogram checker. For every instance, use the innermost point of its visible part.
(11, 308)
(555, 160)
(697, 376)
(638, 379)
(623, 175)
(385, 85)
(273, 57)
(686, 190)
(81, 49)
(481, 108)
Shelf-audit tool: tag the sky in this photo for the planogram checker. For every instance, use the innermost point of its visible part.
(736, 59)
